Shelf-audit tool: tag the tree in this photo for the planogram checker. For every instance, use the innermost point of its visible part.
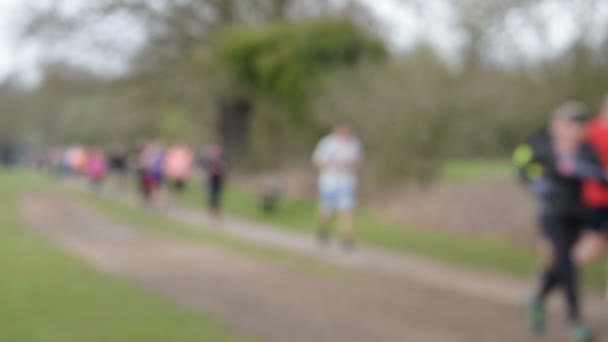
(396, 108)
(288, 63)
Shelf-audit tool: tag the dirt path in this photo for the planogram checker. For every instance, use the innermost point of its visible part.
(267, 301)
(502, 289)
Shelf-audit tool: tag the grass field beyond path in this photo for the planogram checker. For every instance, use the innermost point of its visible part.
(47, 296)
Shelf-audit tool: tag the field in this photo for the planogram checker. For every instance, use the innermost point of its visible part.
(48, 296)
(464, 170)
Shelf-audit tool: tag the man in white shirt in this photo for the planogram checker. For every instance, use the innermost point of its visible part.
(337, 157)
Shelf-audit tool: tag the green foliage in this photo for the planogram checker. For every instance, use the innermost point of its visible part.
(173, 124)
(413, 112)
(288, 61)
(396, 113)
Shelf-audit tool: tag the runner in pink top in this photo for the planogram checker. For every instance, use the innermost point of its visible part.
(178, 166)
(96, 167)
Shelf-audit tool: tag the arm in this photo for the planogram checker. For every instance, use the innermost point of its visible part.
(588, 165)
(530, 170)
(525, 160)
(357, 157)
(320, 155)
(203, 164)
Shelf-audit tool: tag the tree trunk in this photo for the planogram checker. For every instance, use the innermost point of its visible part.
(234, 124)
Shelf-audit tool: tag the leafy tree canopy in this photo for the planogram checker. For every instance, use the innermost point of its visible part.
(288, 61)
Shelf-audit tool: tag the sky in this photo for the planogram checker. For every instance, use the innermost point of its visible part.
(404, 27)
(9, 58)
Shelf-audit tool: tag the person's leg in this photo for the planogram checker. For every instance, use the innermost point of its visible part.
(568, 277)
(562, 233)
(346, 227)
(219, 196)
(346, 206)
(154, 193)
(145, 182)
(567, 273)
(324, 226)
(591, 247)
(182, 187)
(118, 180)
(212, 197)
(548, 280)
(160, 193)
(215, 192)
(327, 206)
(593, 243)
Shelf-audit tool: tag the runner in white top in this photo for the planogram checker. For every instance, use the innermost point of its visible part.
(337, 157)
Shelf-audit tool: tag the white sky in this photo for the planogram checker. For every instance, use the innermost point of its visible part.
(404, 27)
(9, 59)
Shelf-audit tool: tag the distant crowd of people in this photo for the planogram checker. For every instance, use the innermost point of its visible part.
(158, 170)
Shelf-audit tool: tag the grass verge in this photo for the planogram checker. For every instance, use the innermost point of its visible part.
(48, 296)
(481, 254)
(460, 171)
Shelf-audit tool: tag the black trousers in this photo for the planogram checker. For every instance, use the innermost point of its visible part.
(215, 188)
(562, 232)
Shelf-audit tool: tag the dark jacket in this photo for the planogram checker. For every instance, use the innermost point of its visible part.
(559, 189)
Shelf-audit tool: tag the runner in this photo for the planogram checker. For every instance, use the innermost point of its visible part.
(337, 158)
(151, 169)
(554, 164)
(118, 164)
(74, 161)
(141, 174)
(214, 163)
(96, 168)
(64, 165)
(79, 158)
(178, 165)
(595, 195)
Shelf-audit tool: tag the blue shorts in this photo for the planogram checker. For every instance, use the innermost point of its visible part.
(337, 199)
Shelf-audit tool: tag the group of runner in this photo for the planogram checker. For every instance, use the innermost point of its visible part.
(566, 166)
(170, 168)
(77, 160)
(159, 170)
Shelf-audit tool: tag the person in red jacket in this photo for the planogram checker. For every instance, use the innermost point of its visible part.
(595, 195)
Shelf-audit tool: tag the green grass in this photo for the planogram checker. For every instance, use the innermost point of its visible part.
(482, 254)
(458, 171)
(47, 296)
(139, 217)
(298, 215)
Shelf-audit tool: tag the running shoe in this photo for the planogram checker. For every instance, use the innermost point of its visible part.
(536, 315)
(580, 333)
